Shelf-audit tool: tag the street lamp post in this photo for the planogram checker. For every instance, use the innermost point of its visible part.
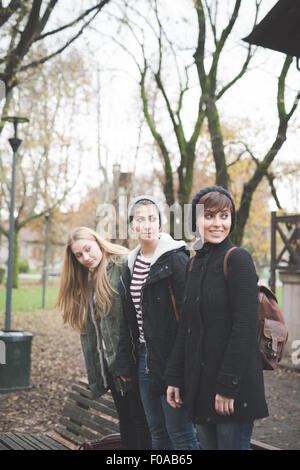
(15, 372)
(45, 260)
(15, 144)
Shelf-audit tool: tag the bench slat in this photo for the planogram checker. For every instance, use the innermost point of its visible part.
(86, 418)
(66, 434)
(58, 438)
(110, 428)
(107, 402)
(257, 445)
(82, 391)
(30, 442)
(79, 430)
(96, 405)
(3, 447)
(9, 442)
(85, 392)
(51, 443)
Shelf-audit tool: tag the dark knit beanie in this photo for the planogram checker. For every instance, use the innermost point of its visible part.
(137, 200)
(204, 191)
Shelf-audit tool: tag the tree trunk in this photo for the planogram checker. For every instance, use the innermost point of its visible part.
(186, 176)
(216, 136)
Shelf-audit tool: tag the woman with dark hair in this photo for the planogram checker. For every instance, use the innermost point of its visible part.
(154, 274)
(215, 368)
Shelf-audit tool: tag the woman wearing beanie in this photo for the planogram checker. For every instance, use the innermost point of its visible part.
(215, 367)
(154, 275)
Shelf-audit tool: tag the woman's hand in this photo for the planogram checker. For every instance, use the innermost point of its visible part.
(173, 397)
(125, 379)
(224, 405)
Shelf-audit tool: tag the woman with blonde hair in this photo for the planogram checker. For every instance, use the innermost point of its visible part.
(89, 301)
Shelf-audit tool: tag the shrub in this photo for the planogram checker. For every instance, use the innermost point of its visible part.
(23, 266)
(2, 274)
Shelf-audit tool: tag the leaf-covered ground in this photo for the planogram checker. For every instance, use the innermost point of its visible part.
(282, 427)
(57, 362)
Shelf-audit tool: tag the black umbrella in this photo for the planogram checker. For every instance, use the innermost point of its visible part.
(280, 29)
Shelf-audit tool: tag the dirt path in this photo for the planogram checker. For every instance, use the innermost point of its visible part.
(282, 427)
(57, 362)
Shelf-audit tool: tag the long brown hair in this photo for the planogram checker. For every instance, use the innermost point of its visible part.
(76, 282)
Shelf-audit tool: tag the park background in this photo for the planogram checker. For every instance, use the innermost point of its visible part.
(125, 98)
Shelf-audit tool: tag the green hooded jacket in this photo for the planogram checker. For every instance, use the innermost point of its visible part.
(108, 331)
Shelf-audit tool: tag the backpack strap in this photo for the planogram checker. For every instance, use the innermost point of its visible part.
(173, 299)
(225, 267)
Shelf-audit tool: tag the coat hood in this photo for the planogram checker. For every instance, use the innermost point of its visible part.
(166, 243)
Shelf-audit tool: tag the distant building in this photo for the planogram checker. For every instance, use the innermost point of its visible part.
(31, 248)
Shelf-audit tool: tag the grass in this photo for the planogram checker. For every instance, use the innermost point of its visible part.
(279, 296)
(29, 299)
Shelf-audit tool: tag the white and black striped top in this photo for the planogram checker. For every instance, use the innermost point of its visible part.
(140, 273)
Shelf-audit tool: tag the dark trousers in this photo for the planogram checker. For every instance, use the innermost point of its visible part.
(134, 429)
(170, 428)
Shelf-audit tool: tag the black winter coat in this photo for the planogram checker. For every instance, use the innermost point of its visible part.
(159, 321)
(216, 349)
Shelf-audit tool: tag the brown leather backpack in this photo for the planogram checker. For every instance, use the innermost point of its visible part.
(272, 333)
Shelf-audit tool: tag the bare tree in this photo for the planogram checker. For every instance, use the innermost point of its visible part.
(210, 48)
(24, 25)
(46, 171)
(209, 82)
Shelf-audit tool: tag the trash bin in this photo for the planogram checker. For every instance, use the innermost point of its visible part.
(15, 360)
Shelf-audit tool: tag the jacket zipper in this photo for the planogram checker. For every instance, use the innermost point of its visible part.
(121, 279)
(146, 356)
(99, 346)
(130, 332)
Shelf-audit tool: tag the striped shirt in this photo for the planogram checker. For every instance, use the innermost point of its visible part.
(140, 273)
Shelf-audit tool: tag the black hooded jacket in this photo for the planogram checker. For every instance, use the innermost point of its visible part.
(159, 320)
(216, 350)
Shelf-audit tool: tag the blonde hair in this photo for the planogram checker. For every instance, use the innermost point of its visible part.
(75, 287)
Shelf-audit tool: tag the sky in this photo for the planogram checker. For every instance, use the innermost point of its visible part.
(252, 100)
(250, 105)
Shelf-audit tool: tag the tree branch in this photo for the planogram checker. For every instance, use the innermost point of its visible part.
(36, 63)
(6, 13)
(50, 7)
(263, 166)
(238, 76)
(200, 50)
(220, 45)
(169, 191)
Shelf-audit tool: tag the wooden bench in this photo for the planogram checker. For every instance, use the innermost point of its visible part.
(83, 419)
